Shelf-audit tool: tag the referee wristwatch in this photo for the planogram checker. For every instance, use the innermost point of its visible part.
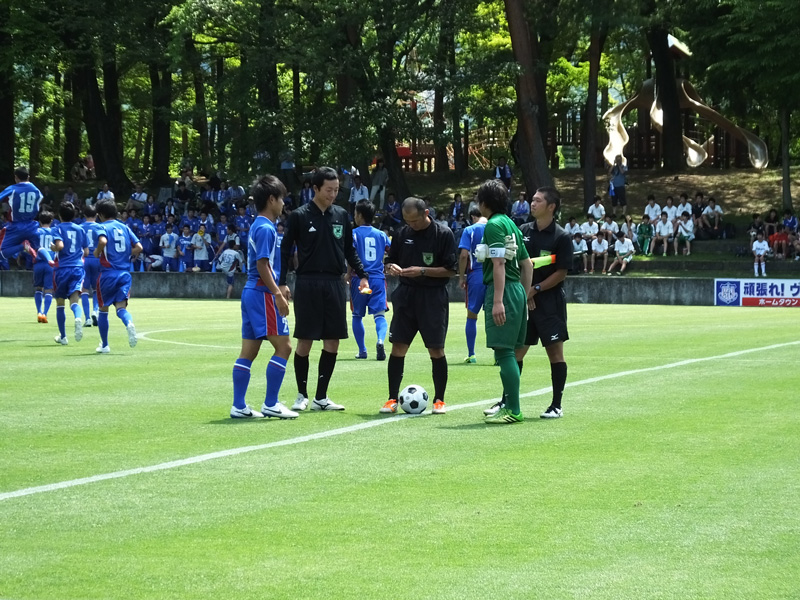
(537, 288)
(422, 271)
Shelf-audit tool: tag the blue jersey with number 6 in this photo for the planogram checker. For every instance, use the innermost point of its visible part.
(371, 246)
(120, 240)
(24, 199)
(74, 238)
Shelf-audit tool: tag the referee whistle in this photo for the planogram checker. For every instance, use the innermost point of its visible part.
(543, 261)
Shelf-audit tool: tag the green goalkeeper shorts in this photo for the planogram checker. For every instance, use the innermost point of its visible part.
(512, 333)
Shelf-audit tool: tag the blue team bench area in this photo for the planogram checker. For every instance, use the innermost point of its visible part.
(595, 289)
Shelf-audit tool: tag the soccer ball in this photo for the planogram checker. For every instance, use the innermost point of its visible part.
(413, 399)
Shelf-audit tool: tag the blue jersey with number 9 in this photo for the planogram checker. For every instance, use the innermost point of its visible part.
(120, 240)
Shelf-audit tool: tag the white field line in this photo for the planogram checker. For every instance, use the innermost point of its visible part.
(352, 428)
(143, 336)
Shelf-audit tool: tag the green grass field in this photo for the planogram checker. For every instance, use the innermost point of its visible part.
(663, 480)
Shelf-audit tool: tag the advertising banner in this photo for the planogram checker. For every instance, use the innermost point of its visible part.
(757, 292)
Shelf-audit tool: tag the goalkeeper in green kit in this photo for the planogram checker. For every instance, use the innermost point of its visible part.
(507, 274)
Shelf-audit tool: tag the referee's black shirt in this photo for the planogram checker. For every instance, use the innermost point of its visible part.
(434, 246)
(550, 240)
(324, 241)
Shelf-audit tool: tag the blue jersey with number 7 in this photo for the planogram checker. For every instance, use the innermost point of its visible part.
(371, 246)
(120, 240)
(74, 239)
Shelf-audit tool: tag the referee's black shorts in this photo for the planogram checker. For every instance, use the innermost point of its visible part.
(319, 309)
(548, 321)
(420, 309)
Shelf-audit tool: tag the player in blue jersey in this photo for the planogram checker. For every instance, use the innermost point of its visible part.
(470, 278)
(69, 241)
(91, 265)
(117, 245)
(371, 245)
(19, 233)
(264, 307)
(43, 267)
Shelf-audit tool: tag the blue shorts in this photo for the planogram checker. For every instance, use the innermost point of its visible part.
(67, 281)
(476, 291)
(112, 287)
(260, 316)
(92, 267)
(171, 264)
(229, 278)
(376, 301)
(188, 261)
(42, 275)
(14, 234)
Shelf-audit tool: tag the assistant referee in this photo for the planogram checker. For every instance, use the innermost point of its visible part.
(324, 238)
(423, 256)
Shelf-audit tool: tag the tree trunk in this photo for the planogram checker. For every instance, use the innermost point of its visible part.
(270, 136)
(37, 125)
(113, 121)
(200, 113)
(55, 167)
(459, 160)
(667, 95)
(7, 131)
(297, 130)
(161, 99)
(148, 144)
(785, 117)
(397, 178)
(439, 124)
(72, 124)
(597, 40)
(137, 148)
(530, 142)
(222, 159)
(542, 31)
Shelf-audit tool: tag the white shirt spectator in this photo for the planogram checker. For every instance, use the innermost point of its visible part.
(672, 212)
(686, 229)
(630, 232)
(109, 195)
(579, 246)
(612, 227)
(760, 248)
(708, 210)
(599, 246)
(664, 229)
(200, 244)
(573, 228)
(685, 207)
(589, 229)
(623, 247)
(169, 245)
(597, 211)
(654, 212)
(228, 259)
(358, 193)
(140, 197)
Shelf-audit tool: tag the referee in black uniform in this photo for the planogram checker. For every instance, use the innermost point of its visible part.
(423, 256)
(324, 238)
(547, 307)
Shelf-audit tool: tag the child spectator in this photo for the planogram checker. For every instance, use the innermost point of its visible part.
(521, 210)
(624, 250)
(306, 194)
(146, 236)
(609, 227)
(771, 223)
(190, 220)
(779, 242)
(242, 224)
(789, 222)
(572, 227)
(206, 221)
(394, 215)
(169, 209)
(684, 233)
(629, 229)
(644, 235)
(597, 210)
(185, 249)
(228, 261)
(663, 233)
(152, 207)
(169, 249)
(760, 249)
(599, 249)
(756, 225)
(580, 251)
(672, 212)
(697, 210)
(221, 228)
(589, 229)
(712, 216)
(652, 209)
(684, 205)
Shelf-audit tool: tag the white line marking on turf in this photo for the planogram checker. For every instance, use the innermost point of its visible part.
(351, 428)
(143, 336)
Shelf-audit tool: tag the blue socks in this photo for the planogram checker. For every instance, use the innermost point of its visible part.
(61, 319)
(381, 327)
(37, 298)
(472, 333)
(241, 379)
(276, 369)
(358, 333)
(48, 299)
(102, 325)
(85, 303)
(124, 316)
(76, 310)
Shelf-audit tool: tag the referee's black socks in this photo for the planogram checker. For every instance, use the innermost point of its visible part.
(439, 370)
(395, 370)
(301, 374)
(558, 375)
(327, 361)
